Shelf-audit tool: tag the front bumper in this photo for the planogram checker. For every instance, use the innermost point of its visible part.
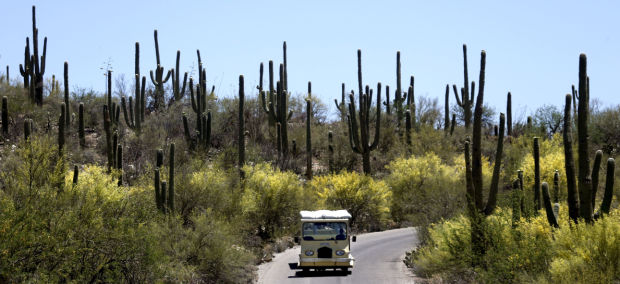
(308, 262)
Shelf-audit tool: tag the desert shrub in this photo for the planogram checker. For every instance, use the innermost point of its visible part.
(529, 252)
(271, 200)
(365, 198)
(424, 190)
(205, 252)
(203, 187)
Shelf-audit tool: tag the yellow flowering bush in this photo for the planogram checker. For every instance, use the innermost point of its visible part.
(531, 251)
(365, 198)
(271, 200)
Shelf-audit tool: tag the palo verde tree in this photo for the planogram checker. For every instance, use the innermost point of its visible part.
(359, 129)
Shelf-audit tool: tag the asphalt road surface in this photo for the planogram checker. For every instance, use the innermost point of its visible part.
(378, 259)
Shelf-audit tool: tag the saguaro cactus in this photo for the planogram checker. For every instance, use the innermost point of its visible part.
(27, 128)
(330, 149)
(37, 64)
(342, 108)
(569, 162)
(359, 132)
(203, 121)
(177, 90)
(595, 174)
(309, 133)
(509, 113)
(584, 177)
(609, 187)
(135, 118)
(66, 85)
(76, 173)
(159, 196)
(108, 136)
(446, 118)
(476, 166)
(158, 79)
(241, 137)
(466, 99)
(119, 163)
(61, 128)
(537, 202)
(452, 124)
(26, 69)
(171, 179)
(399, 96)
(551, 218)
(5, 116)
(81, 132)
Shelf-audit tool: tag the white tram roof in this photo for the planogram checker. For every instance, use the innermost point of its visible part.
(325, 214)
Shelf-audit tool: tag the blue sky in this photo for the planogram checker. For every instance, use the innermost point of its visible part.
(532, 46)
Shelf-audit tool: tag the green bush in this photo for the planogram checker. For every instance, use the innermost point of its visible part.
(365, 198)
(205, 252)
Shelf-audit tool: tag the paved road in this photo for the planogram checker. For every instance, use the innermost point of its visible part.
(378, 259)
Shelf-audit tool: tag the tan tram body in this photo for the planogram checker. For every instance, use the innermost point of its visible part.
(325, 240)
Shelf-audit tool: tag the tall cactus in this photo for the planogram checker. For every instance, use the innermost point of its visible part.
(159, 197)
(408, 127)
(330, 149)
(28, 125)
(509, 113)
(411, 106)
(399, 96)
(241, 136)
(108, 137)
(388, 110)
(595, 174)
(537, 201)
(584, 177)
(309, 133)
(609, 187)
(203, 121)
(551, 218)
(61, 128)
(170, 198)
(66, 85)
(466, 99)
(359, 131)
(26, 69)
(37, 64)
(5, 116)
(81, 132)
(452, 124)
(119, 163)
(446, 118)
(569, 162)
(476, 165)
(342, 108)
(159, 79)
(76, 173)
(134, 119)
(177, 90)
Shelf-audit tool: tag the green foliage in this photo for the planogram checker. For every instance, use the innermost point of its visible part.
(271, 200)
(207, 251)
(367, 200)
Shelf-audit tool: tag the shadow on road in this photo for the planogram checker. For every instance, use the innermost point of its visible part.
(324, 273)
